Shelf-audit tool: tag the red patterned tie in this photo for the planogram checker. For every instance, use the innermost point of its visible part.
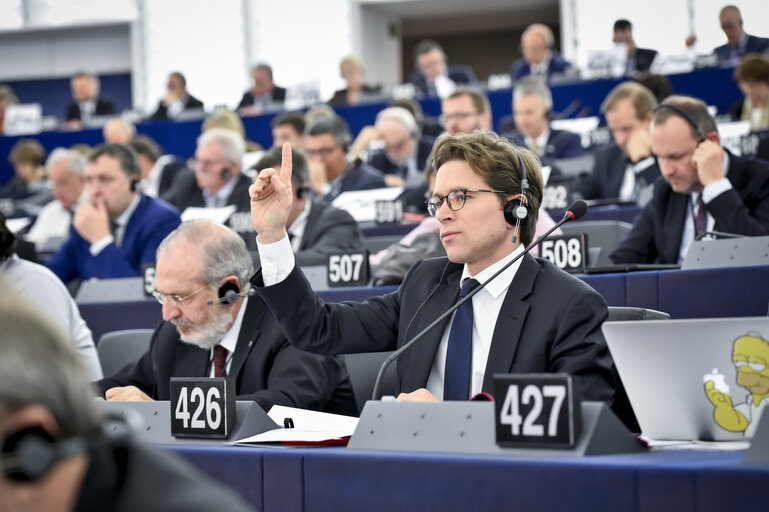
(220, 361)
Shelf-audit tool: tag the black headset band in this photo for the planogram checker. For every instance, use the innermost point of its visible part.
(683, 114)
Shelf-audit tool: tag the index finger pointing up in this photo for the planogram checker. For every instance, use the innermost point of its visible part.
(286, 164)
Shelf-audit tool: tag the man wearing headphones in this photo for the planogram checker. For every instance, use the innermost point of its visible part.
(433, 75)
(118, 230)
(532, 318)
(55, 452)
(316, 228)
(213, 328)
(539, 58)
(326, 141)
(706, 188)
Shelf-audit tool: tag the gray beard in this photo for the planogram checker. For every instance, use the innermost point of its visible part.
(208, 335)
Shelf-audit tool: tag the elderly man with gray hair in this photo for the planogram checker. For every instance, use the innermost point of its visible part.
(56, 454)
(65, 173)
(212, 327)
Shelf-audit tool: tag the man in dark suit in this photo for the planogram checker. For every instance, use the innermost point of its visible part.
(626, 169)
(218, 181)
(434, 77)
(639, 60)
(539, 58)
(158, 170)
(705, 188)
(177, 99)
(207, 333)
(86, 102)
(738, 43)
(316, 229)
(533, 318)
(263, 95)
(325, 143)
(532, 104)
(118, 229)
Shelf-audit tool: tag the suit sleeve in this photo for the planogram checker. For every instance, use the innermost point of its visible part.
(73, 112)
(62, 262)
(733, 216)
(161, 112)
(338, 233)
(244, 101)
(572, 146)
(638, 246)
(298, 379)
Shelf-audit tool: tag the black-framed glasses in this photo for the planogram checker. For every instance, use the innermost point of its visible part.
(456, 199)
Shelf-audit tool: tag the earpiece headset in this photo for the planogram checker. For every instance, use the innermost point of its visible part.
(226, 174)
(682, 113)
(515, 211)
(229, 293)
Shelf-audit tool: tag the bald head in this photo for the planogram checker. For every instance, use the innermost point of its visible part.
(731, 23)
(118, 131)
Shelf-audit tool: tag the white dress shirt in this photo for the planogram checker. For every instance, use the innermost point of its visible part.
(229, 340)
(221, 196)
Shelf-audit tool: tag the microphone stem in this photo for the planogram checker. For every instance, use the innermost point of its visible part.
(395, 355)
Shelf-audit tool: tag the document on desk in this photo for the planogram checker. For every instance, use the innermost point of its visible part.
(309, 427)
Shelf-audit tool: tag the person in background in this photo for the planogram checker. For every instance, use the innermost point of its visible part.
(29, 185)
(7, 98)
(465, 110)
(288, 127)
(739, 43)
(177, 99)
(351, 69)
(752, 76)
(639, 60)
(86, 103)
(118, 131)
(65, 172)
(158, 170)
(433, 75)
(539, 59)
(44, 289)
(229, 120)
(263, 95)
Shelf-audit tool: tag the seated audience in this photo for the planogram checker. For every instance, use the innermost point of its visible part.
(539, 59)
(465, 110)
(288, 127)
(752, 76)
(659, 85)
(87, 103)
(52, 226)
(434, 77)
(118, 229)
(532, 107)
(351, 69)
(739, 43)
(626, 169)
(213, 328)
(223, 118)
(546, 320)
(177, 99)
(7, 98)
(639, 60)
(158, 170)
(118, 131)
(428, 125)
(316, 229)
(264, 94)
(46, 291)
(706, 188)
(326, 142)
(29, 184)
(47, 408)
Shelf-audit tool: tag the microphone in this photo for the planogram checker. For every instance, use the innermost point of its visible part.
(231, 297)
(576, 210)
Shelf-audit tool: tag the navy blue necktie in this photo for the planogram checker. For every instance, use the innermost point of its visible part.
(459, 355)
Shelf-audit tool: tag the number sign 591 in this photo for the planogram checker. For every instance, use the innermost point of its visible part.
(536, 410)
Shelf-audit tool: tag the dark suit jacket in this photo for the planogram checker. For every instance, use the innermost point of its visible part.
(609, 170)
(458, 73)
(152, 220)
(278, 96)
(358, 176)
(103, 108)
(379, 159)
(190, 103)
(743, 210)
(560, 143)
(755, 45)
(521, 68)
(644, 58)
(549, 322)
(328, 231)
(265, 368)
(169, 172)
(339, 99)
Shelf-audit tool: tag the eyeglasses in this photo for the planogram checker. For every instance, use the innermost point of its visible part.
(458, 116)
(456, 199)
(175, 299)
(194, 163)
(320, 151)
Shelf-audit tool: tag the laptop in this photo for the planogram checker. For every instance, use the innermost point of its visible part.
(666, 366)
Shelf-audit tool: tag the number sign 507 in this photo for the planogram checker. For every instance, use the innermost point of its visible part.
(345, 268)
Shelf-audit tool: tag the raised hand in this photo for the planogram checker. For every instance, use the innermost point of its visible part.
(271, 197)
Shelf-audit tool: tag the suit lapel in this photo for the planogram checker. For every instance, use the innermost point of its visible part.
(312, 217)
(191, 361)
(512, 316)
(674, 225)
(420, 358)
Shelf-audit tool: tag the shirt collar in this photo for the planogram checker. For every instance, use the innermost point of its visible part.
(499, 285)
(230, 338)
(224, 193)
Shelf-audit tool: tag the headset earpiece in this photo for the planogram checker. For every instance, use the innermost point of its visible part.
(28, 454)
(515, 210)
(135, 185)
(229, 293)
(226, 174)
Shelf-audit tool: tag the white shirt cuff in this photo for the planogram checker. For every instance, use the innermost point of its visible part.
(99, 245)
(277, 260)
(715, 189)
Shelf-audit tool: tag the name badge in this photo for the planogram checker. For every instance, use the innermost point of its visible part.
(537, 410)
(388, 212)
(567, 252)
(557, 196)
(202, 407)
(348, 269)
(148, 278)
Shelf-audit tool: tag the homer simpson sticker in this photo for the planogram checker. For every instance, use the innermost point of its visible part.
(751, 360)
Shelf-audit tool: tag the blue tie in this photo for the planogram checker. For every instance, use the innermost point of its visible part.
(459, 355)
